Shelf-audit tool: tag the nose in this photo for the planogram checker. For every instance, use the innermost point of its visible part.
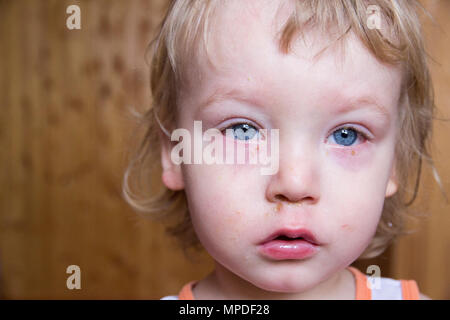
(297, 179)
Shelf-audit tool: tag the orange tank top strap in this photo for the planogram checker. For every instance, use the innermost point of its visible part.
(410, 290)
(363, 292)
(186, 291)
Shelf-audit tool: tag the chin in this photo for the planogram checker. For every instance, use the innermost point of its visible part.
(283, 285)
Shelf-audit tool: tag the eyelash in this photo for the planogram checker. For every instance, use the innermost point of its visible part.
(359, 132)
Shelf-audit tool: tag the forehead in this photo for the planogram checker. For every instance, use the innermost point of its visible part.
(243, 50)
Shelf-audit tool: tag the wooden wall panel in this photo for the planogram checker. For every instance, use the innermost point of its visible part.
(64, 131)
(425, 254)
(64, 134)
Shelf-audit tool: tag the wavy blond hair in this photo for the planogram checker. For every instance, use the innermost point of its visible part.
(186, 25)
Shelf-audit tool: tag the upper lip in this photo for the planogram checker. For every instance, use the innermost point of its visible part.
(293, 233)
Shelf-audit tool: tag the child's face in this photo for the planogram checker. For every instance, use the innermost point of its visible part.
(332, 183)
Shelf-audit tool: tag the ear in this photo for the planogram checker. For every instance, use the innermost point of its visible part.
(172, 176)
(392, 185)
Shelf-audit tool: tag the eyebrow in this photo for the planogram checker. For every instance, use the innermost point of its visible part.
(363, 102)
(222, 94)
(348, 104)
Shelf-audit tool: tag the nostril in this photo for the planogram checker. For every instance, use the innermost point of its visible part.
(282, 198)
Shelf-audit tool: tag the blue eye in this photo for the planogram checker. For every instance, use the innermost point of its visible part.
(243, 131)
(346, 136)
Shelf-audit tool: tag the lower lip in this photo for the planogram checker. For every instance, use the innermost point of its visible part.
(288, 250)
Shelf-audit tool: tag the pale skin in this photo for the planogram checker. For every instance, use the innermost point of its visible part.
(335, 191)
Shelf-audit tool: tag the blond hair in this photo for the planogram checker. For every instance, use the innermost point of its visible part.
(400, 44)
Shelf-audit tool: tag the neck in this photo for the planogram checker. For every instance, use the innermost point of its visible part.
(222, 284)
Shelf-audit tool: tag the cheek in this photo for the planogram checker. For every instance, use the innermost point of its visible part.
(356, 180)
(354, 200)
(357, 222)
(219, 199)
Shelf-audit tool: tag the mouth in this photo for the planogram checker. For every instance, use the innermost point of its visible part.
(291, 235)
(289, 244)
